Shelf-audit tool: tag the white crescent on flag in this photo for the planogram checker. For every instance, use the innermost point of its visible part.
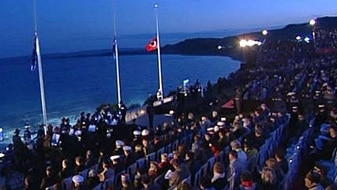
(151, 45)
(154, 44)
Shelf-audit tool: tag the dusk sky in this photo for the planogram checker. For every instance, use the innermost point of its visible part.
(60, 19)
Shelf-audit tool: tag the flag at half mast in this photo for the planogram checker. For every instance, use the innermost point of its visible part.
(34, 55)
(114, 47)
(151, 45)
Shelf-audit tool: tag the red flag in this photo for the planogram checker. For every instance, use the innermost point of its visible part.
(152, 45)
(229, 104)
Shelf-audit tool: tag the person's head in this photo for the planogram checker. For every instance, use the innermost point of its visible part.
(333, 131)
(268, 176)
(218, 168)
(77, 180)
(271, 163)
(246, 179)
(258, 132)
(312, 178)
(153, 166)
(175, 163)
(126, 150)
(232, 155)
(235, 145)
(49, 171)
(88, 154)
(65, 163)
(164, 157)
(78, 160)
(138, 148)
(145, 142)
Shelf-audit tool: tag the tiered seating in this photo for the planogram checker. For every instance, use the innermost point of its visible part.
(298, 154)
(267, 150)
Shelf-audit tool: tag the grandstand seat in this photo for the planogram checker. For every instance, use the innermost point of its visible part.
(330, 164)
(141, 163)
(132, 169)
(150, 157)
(67, 183)
(197, 177)
(168, 148)
(202, 172)
(108, 182)
(117, 179)
(175, 145)
(187, 180)
(210, 164)
(84, 173)
(159, 153)
(159, 179)
(100, 186)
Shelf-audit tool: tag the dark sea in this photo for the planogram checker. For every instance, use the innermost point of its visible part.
(81, 83)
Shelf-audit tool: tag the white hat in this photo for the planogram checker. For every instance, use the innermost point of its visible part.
(136, 132)
(145, 132)
(115, 157)
(77, 179)
(119, 143)
(291, 93)
(210, 129)
(321, 106)
(223, 119)
(126, 147)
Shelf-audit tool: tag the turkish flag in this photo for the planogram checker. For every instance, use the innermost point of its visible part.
(152, 45)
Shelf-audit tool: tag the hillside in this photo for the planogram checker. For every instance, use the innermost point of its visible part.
(230, 45)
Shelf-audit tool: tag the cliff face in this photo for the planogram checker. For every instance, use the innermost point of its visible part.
(230, 45)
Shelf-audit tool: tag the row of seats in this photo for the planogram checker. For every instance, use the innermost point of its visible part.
(143, 163)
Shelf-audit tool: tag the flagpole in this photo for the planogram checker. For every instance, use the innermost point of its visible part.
(119, 99)
(160, 90)
(39, 62)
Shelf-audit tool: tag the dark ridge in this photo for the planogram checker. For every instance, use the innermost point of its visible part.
(230, 45)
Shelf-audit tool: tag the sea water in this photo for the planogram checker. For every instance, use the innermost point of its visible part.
(82, 83)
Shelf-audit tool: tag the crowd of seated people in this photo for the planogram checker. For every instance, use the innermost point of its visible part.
(326, 40)
(263, 149)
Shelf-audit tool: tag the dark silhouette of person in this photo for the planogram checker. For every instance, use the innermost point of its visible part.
(238, 100)
(150, 112)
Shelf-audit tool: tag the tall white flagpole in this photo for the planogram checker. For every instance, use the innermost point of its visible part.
(119, 99)
(160, 90)
(39, 62)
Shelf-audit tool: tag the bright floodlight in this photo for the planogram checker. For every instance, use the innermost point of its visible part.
(307, 39)
(298, 38)
(156, 5)
(219, 47)
(264, 32)
(312, 22)
(244, 43)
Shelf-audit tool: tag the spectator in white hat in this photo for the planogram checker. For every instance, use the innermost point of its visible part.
(129, 157)
(78, 183)
(119, 148)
